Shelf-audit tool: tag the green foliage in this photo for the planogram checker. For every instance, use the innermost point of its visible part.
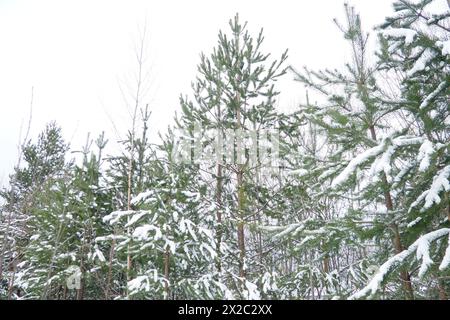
(357, 205)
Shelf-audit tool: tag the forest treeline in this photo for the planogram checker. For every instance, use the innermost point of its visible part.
(358, 205)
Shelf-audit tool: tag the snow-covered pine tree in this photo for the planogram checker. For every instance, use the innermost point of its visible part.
(405, 169)
(92, 199)
(171, 240)
(124, 182)
(43, 160)
(416, 44)
(234, 91)
(358, 207)
(355, 120)
(63, 222)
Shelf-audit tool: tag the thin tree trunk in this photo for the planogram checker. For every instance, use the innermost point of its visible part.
(260, 246)
(11, 282)
(130, 169)
(240, 232)
(326, 264)
(111, 257)
(166, 272)
(219, 188)
(219, 217)
(404, 275)
(240, 195)
(140, 60)
(442, 291)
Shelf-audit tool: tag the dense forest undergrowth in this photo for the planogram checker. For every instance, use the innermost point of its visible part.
(344, 198)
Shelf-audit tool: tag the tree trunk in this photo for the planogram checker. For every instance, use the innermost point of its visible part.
(219, 217)
(65, 292)
(240, 190)
(240, 194)
(404, 275)
(166, 272)
(240, 233)
(442, 291)
(111, 257)
(130, 171)
(11, 280)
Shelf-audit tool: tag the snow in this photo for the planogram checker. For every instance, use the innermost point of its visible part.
(190, 194)
(187, 224)
(136, 217)
(407, 140)
(139, 283)
(425, 151)
(141, 233)
(98, 254)
(445, 46)
(433, 114)
(440, 183)
(405, 169)
(286, 230)
(420, 64)
(110, 237)
(304, 240)
(423, 252)
(383, 163)
(431, 196)
(425, 103)
(421, 246)
(115, 216)
(171, 245)
(408, 34)
(251, 291)
(299, 172)
(210, 250)
(268, 281)
(228, 295)
(354, 163)
(414, 222)
(195, 195)
(446, 260)
(142, 196)
(380, 164)
(208, 233)
(326, 174)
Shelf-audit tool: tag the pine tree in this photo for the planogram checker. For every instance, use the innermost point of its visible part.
(390, 167)
(121, 179)
(63, 221)
(415, 45)
(353, 120)
(234, 92)
(170, 239)
(43, 160)
(352, 201)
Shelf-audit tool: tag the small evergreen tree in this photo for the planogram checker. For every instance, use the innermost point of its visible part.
(235, 91)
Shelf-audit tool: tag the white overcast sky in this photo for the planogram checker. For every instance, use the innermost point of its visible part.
(76, 54)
